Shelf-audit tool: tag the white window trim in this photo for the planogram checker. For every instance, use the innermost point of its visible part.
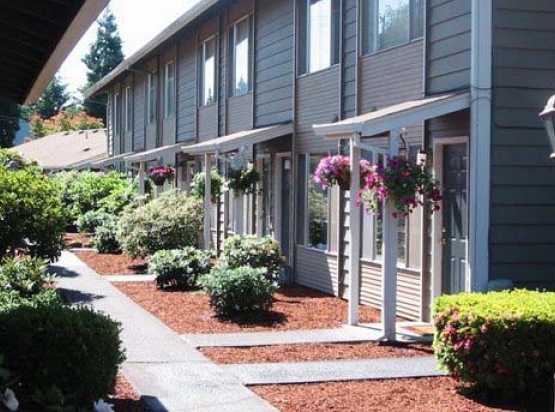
(203, 74)
(117, 114)
(128, 113)
(167, 97)
(234, 55)
(309, 41)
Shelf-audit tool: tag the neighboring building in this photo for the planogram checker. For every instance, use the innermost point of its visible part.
(465, 78)
(66, 150)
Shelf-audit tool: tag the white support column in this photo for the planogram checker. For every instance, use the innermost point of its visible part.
(207, 201)
(354, 231)
(389, 254)
(142, 177)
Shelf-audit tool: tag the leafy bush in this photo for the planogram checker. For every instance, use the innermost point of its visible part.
(27, 277)
(501, 342)
(31, 214)
(75, 351)
(180, 268)
(105, 238)
(90, 221)
(198, 186)
(172, 221)
(115, 203)
(240, 290)
(254, 252)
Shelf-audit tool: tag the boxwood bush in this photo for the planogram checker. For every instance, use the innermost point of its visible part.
(238, 291)
(172, 221)
(253, 251)
(499, 342)
(180, 268)
(75, 351)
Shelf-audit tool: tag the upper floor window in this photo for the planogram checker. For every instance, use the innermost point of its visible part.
(117, 114)
(390, 23)
(151, 98)
(320, 34)
(169, 90)
(128, 109)
(240, 37)
(209, 70)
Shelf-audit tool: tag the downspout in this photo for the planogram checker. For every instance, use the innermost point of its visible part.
(480, 143)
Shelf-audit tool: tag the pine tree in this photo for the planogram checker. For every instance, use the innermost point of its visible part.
(9, 123)
(52, 101)
(105, 54)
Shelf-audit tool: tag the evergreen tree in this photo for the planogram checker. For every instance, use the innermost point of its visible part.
(9, 123)
(52, 101)
(105, 54)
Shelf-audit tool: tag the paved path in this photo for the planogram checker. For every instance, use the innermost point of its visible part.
(171, 375)
(334, 371)
(346, 334)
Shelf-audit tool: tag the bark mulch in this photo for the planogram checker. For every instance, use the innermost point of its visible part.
(295, 308)
(402, 395)
(314, 352)
(77, 240)
(106, 265)
(125, 399)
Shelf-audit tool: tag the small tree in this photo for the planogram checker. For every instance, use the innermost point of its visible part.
(52, 101)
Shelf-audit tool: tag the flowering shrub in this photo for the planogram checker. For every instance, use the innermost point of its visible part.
(500, 341)
(198, 186)
(403, 183)
(159, 174)
(180, 268)
(243, 181)
(254, 252)
(336, 170)
(64, 121)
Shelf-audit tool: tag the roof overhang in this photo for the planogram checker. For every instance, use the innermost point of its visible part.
(154, 154)
(235, 141)
(187, 18)
(393, 117)
(110, 161)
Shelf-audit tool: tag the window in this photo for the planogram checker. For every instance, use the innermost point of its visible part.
(169, 90)
(320, 35)
(208, 92)
(151, 98)
(128, 110)
(117, 114)
(240, 57)
(390, 23)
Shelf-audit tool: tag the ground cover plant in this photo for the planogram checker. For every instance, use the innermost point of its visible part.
(180, 268)
(499, 342)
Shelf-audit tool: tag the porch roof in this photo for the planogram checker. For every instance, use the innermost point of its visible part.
(109, 161)
(235, 141)
(153, 154)
(392, 117)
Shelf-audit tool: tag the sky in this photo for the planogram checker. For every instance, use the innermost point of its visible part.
(138, 22)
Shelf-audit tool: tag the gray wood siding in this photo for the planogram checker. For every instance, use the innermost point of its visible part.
(151, 137)
(187, 88)
(139, 110)
(169, 123)
(522, 241)
(110, 121)
(274, 62)
(318, 97)
(448, 54)
(208, 122)
(392, 77)
(350, 23)
(127, 137)
(316, 269)
(117, 89)
(239, 114)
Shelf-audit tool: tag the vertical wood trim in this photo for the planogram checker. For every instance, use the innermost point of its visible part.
(354, 239)
(254, 32)
(294, 160)
(176, 90)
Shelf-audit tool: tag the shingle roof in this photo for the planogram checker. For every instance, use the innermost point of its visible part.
(66, 150)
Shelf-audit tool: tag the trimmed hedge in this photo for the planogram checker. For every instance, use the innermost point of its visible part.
(499, 342)
(252, 251)
(180, 268)
(238, 291)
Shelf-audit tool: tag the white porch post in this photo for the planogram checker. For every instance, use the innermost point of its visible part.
(389, 253)
(207, 201)
(354, 242)
(142, 177)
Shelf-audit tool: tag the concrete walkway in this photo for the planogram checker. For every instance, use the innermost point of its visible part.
(335, 371)
(171, 375)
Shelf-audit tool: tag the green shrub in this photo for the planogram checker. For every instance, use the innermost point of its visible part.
(240, 290)
(10, 299)
(198, 186)
(116, 202)
(90, 221)
(253, 251)
(180, 268)
(172, 221)
(31, 214)
(75, 351)
(28, 277)
(501, 342)
(105, 238)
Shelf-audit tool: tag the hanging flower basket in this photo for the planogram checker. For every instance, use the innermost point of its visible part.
(408, 186)
(198, 186)
(159, 174)
(336, 170)
(243, 181)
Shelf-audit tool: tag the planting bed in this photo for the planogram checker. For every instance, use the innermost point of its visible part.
(313, 352)
(125, 399)
(402, 395)
(295, 308)
(107, 265)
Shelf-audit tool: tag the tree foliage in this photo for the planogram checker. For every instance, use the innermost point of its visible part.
(104, 56)
(9, 122)
(52, 101)
(64, 121)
